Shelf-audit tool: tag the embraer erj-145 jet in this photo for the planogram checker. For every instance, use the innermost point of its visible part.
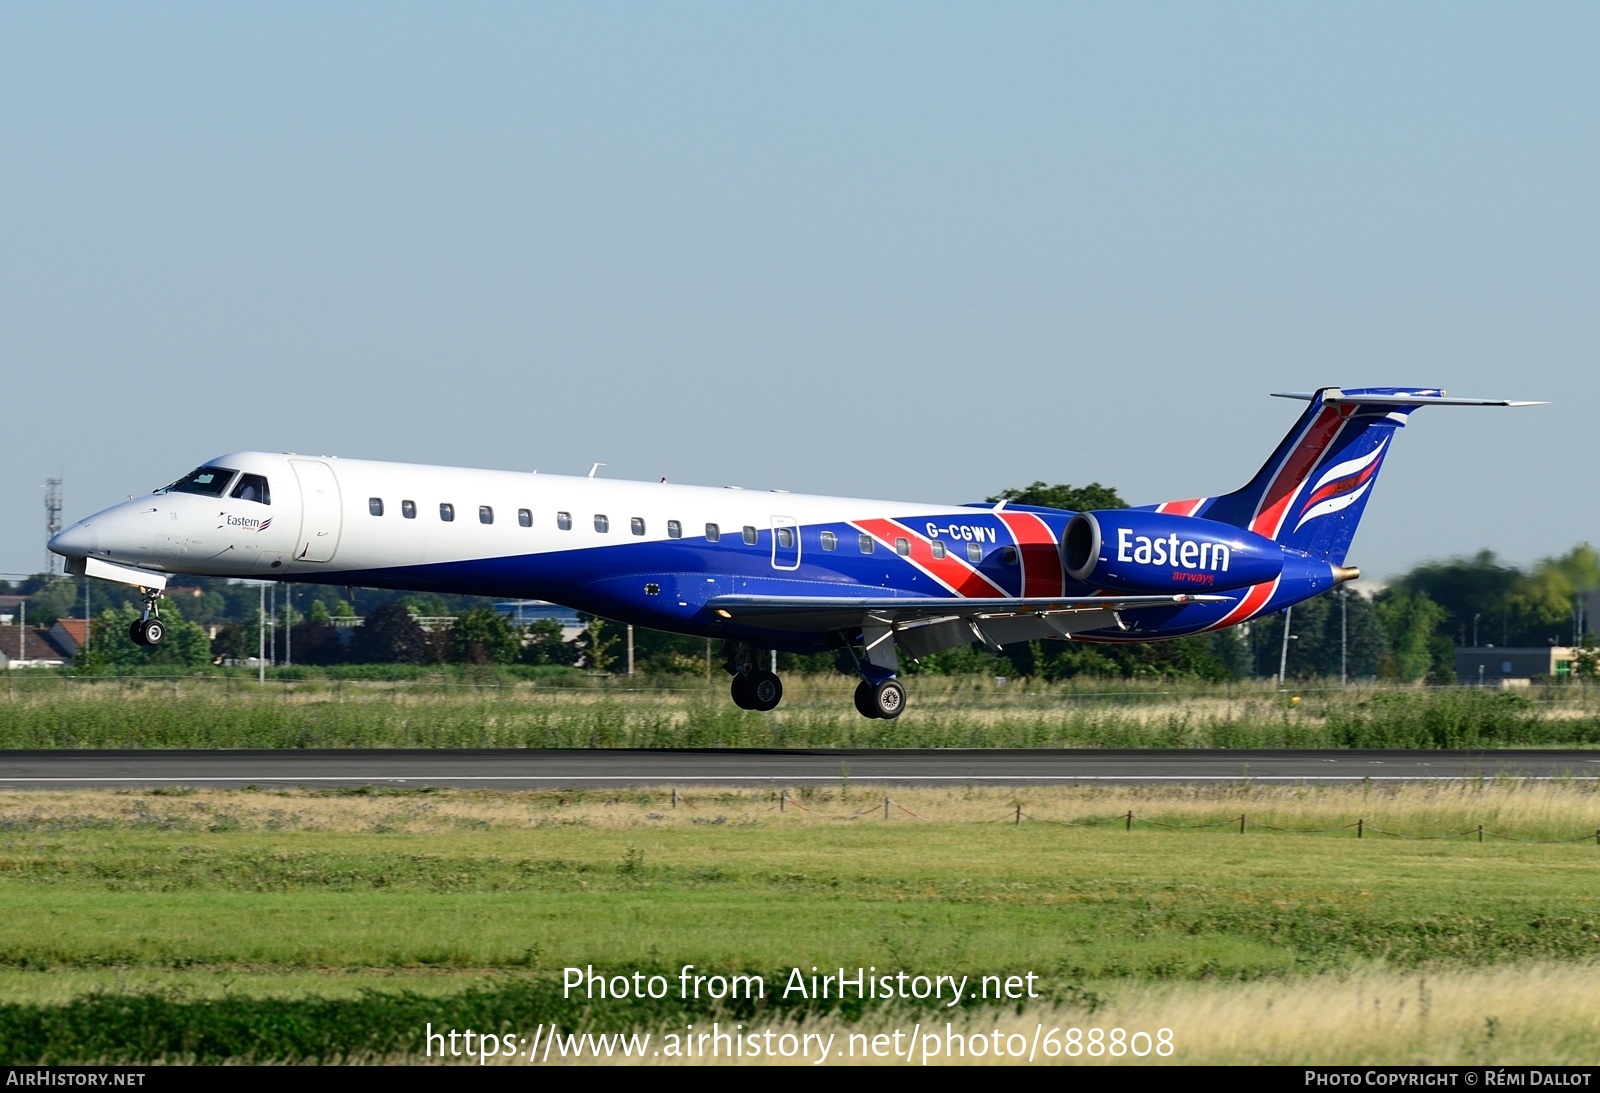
(765, 571)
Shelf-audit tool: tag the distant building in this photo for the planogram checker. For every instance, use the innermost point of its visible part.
(1513, 666)
(70, 635)
(33, 649)
(523, 612)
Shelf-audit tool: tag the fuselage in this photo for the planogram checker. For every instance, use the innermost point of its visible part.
(652, 554)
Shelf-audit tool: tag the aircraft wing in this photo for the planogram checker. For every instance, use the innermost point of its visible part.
(929, 623)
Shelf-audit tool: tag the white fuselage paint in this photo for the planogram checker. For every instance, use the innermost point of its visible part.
(226, 537)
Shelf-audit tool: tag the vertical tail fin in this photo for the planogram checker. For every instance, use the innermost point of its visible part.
(1310, 494)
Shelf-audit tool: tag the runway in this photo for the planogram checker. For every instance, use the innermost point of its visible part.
(510, 769)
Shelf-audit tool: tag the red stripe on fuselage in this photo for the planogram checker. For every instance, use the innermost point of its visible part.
(952, 572)
(1180, 508)
(1290, 476)
(1041, 557)
(1253, 601)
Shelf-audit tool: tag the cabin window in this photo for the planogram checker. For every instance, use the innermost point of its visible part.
(447, 511)
(938, 549)
(253, 487)
(1009, 555)
(749, 535)
(830, 541)
(636, 524)
(209, 481)
(866, 544)
(602, 522)
(713, 533)
(525, 517)
(564, 521)
(974, 553)
(901, 547)
(786, 538)
(408, 509)
(375, 506)
(485, 514)
(674, 530)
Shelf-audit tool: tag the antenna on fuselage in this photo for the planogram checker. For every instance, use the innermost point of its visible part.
(594, 468)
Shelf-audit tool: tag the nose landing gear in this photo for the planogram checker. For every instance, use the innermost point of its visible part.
(148, 629)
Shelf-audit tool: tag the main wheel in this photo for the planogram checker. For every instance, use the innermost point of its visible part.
(864, 699)
(888, 699)
(136, 631)
(154, 630)
(765, 691)
(742, 697)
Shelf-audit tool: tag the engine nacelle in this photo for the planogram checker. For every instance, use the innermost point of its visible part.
(1128, 550)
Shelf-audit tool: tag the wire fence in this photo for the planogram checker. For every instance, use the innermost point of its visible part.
(888, 806)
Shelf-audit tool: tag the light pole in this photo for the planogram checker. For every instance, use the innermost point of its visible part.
(261, 637)
(1344, 619)
(1475, 618)
(1283, 657)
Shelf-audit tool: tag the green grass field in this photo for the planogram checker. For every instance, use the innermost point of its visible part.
(204, 925)
(464, 711)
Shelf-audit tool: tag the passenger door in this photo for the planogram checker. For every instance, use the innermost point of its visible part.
(785, 542)
(319, 511)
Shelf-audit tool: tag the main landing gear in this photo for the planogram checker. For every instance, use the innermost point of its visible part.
(754, 687)
(884, 699)
(878, 695)
(148, 629)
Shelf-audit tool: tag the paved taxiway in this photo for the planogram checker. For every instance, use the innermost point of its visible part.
(555, 769)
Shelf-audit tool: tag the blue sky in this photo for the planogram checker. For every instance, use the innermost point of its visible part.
(922, 251)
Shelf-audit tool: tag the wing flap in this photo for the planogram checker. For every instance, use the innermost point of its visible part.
(1055, 614)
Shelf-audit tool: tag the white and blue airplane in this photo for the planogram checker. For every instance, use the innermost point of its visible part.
(764, 571)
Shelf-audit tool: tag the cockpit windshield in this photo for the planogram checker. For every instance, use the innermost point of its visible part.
(209, 481)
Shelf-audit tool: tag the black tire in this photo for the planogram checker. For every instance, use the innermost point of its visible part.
(154, 631)
(765, 691)
(136, 631)
(864, 699)
(889, 699)
(742, 697)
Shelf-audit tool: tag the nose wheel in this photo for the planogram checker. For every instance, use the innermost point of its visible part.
(148, 629)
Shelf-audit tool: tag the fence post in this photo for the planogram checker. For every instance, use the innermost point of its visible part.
(783, 797)
(1361, 823)
(1130, 825)
(1019, 816)
(1480, 833)
(674, 796)
(886, 808)
(1241, 823)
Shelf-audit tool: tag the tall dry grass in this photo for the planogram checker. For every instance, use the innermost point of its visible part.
(1514, 808)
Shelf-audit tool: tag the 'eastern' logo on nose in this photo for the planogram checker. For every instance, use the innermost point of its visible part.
(250, 522)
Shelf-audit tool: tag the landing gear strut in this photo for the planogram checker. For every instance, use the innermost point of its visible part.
(754, 687)
(879, 694)
(148, 629)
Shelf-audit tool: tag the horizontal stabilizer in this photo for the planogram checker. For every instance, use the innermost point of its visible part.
(1334, 396)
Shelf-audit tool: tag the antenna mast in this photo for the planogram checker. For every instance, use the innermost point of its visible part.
(52, 523)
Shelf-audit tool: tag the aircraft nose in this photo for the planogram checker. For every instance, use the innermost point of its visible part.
(73, 542)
